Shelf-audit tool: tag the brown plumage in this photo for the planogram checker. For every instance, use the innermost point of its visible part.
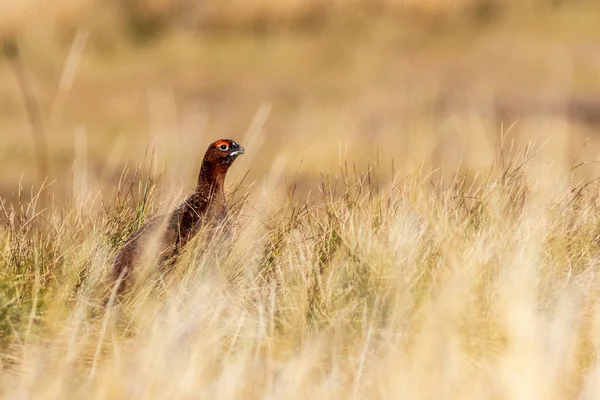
(206, 204)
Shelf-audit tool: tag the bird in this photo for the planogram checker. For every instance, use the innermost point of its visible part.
(206, 205)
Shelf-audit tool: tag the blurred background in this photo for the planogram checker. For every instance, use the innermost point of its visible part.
(91, 88)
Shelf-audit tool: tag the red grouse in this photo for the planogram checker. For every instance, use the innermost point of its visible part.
(206, 204)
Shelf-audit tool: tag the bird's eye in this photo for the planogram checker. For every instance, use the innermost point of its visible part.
(223, 147)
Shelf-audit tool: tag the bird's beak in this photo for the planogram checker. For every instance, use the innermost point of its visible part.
(239, 150)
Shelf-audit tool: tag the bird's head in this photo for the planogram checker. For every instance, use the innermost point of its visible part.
(223, 152)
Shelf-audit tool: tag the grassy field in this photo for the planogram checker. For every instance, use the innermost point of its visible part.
(417, 214)
(424, 287)
(374, 83)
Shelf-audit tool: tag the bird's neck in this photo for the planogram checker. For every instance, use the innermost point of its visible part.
(211, 182)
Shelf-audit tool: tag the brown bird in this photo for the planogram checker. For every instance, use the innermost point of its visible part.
(206, 205)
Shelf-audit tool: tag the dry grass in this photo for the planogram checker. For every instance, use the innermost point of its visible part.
(365, 81)
(417, 214)
(151, 16)
(479, 285)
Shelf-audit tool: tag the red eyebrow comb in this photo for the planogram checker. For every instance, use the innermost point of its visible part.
(221, 142)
